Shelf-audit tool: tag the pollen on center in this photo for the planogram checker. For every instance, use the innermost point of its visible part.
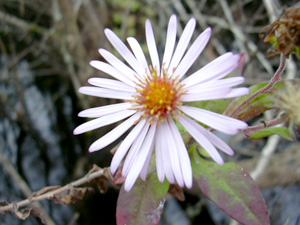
(158, 96)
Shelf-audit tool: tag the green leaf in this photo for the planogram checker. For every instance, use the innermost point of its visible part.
(232, 189)
(217, 106)
(282, 131)
(144, 204)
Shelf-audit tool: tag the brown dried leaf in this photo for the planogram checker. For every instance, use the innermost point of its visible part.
(25, 213)
(4, 203)
(71, 196)
(177, 192)
(102, 184)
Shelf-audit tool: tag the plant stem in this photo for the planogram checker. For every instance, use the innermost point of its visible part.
(275, 78)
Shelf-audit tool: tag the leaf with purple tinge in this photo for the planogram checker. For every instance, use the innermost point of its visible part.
(232, 189)
(255, 107)
(282, 131)
(144, 204)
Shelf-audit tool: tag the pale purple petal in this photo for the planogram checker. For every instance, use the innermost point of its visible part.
(152, 47)
(170, 41)
(140, 159)
(184, 159)
(125, 145)
(205, 94)
(104, 110)
(171, 148)
(192, 127)
(114, 134)
(103, 121)
(237, 92)
(139, 54)
(216, 84)
(123, 50)
(217, 69)
(217, 121)
(216, 141)
(119, 65)
(144, 170)
(111, 84)
(182, 45)
(134, 150)
(159, 156)
(107, 68)
(192, 54)
(106, 93)
(167, 167)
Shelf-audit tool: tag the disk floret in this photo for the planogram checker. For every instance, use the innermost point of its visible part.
(158, 96)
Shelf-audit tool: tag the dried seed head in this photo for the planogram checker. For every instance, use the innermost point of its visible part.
(285, 33)
(288, 100)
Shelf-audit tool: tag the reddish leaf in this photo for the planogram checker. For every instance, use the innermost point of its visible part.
(144, 204)
(232, 189)
(177, 192)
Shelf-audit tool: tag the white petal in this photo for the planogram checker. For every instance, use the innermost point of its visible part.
(217, 121)
(123, 50)
(193, 53)
(237, 92)
(205, 94)
(103, 121)
(191, 126)
(172, 149)
(170, 41)
(106, 93)
(144, 170)
(217, 84)
(152, 47)
(104, 110)
(182, 45)
(114, 134)
(217, 69)
(125, 145)
(139, 54)
(111, 84)
(106, 68)
(159, 156)
(167, 165)
(216, 141)
(119, 65)
(140, 160)
(134, 150)
(184, 159)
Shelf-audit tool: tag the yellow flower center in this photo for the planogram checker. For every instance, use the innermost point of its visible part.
(158, 97)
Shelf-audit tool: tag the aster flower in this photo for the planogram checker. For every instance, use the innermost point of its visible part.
(154, 98)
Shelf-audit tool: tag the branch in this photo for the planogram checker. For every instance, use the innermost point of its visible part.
(42, 195)
(24, 188)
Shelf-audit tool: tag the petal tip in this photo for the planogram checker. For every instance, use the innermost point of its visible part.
(92, 149)
(76, 131)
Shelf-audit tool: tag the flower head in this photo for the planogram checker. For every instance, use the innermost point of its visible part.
(154, 98)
